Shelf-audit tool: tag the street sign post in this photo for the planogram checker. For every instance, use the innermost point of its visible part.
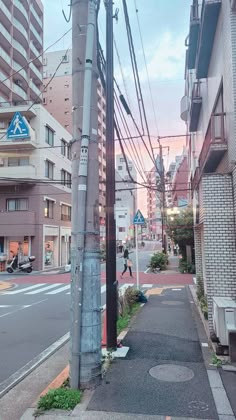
(138, 221)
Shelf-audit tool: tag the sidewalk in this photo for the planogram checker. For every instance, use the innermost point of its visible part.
(166, 373)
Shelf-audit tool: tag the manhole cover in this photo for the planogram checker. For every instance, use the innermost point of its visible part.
(171, 373)
(172, 302)
(198, 405)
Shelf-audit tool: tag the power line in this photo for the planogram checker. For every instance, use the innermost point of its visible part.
(145, 61)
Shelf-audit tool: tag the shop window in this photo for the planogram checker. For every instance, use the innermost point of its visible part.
(49, 136)
(65, 213)
(66, 178)
(48, 209)
(18, 161)
(49, 168)
(17, 204)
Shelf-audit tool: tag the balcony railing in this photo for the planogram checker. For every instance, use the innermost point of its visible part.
(5, 10)
(214, 146)
(20, 28)
(36, 34)
(20, 6)
(5, 33)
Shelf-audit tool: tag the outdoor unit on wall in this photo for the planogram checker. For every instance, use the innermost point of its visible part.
(224, 318)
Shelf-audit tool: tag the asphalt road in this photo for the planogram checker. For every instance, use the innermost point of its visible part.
(35, 315)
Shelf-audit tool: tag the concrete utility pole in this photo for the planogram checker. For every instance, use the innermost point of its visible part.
(163, 199)
(111, 282)
(85, 356)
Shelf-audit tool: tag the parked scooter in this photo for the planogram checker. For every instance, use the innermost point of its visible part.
(25, 266)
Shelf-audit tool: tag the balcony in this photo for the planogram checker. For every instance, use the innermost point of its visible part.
(35, 90)
(5, 37)
(214, 146)
(20, 53)
(6, 84)
(5, 13)
(195, 180)
(37, 37)
(196, 105)
(19, 93)
(35, 73)
(21, 12)
(36, 17)
(193, 35)
(21, 144)
(21, 34)
(21, 72)
(20, 223)
(5, 60)
(209, 20)
(184, 108)
(21, 173)
(36, 53)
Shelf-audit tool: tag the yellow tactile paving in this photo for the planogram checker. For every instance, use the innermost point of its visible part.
(159, 290)
(4, 285)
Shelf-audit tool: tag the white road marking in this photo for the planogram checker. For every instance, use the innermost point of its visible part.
(42, 289)
(6, 306)
(176, 290)
(61, 289)
(204, 344)
(25, 289)
(21, 308)
(147, 286)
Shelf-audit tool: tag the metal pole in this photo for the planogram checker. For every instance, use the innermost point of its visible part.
(83, 69)
(137, 263)
(111, 282)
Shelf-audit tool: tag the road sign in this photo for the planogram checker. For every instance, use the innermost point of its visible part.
(139, 219)
(18, 127)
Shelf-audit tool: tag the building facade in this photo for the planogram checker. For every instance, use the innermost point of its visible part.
(124, 211)
(21, 45)
(209, 109)
(35, 186)
(57, 99)
(155, 201)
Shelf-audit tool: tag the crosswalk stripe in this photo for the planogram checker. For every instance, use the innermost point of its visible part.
(61, 289)
(42, 289)
(25, 289)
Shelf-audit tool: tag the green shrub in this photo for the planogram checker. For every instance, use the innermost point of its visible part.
(185, 267)
(130, 298)
(200, 289)
(204, 306)
(61, 398)
(158, 260)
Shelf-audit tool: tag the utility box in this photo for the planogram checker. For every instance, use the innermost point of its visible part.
(224, 318)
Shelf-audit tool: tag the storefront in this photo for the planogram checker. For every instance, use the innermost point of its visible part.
(51, 246)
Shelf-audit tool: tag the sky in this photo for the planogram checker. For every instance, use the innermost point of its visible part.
(164, 28)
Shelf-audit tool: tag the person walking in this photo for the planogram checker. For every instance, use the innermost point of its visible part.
(127, 263)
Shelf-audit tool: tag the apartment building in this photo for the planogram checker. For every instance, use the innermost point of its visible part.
(21, 40)
(35, 186)
(57, 99)
(124, 211)
(123, 173)
(209, 109)
(154, 201)
(179, 184)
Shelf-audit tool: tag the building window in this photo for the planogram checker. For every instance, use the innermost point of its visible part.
(63, 147)
(65, 213)
(66, 86)
(120, 168)
(66, 99)
(49, 136)
(48, 209)
(118, 199)
(121, 229)
(17, 204)
(69, 155)
(18, 161)
(121, 216)
(66, 178)
(65, 58)
(122, 159)
(45, 101)
(49, 168)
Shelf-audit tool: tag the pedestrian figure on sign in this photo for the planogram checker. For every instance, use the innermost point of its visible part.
(127, 263)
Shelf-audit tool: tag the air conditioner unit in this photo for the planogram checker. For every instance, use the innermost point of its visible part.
(224, 318)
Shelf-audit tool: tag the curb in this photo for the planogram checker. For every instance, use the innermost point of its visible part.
(5, 285)
(21, 374)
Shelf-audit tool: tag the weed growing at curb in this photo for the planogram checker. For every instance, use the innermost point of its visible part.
(123, 321)
(60, 398)
(216, 361)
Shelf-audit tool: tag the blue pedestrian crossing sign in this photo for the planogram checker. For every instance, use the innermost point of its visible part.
(18, 127)
(139, 219)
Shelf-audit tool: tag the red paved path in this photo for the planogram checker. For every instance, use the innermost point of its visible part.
(162, 279)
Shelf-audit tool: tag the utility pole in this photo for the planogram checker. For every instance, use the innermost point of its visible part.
(85, 355)
(111, 282)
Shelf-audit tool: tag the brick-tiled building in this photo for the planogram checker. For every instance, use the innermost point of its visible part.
(209, 109)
